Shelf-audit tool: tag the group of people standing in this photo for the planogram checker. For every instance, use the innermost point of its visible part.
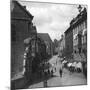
(52, 71)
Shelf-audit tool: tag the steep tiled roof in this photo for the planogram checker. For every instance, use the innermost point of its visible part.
(22, 7)
(44, 36)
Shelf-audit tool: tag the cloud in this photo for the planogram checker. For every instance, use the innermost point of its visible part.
(51, 18)
(40, 15)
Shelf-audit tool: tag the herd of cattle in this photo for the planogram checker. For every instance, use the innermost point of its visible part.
(75, 66)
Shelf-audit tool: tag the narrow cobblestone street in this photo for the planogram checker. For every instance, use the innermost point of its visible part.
(66, 80)
(48, 44)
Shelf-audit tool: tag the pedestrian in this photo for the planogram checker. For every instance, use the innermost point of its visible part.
(56, 62)
(48, 72)
(60, 71)
(45, 83)
(55, 69)
(45, 74)
(52, 72)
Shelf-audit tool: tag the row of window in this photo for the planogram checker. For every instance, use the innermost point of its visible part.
(75, 42)
(80, 27)
(83, 40)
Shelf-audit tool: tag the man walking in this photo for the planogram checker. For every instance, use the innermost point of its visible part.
(45, 83)
(61, 70)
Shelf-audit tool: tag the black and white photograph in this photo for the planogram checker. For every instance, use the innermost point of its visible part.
(48, 44)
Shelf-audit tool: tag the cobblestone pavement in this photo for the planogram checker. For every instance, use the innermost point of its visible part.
(67, 78)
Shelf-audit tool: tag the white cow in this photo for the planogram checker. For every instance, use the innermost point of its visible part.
(69, 64)
(74, 66)
(79, 67)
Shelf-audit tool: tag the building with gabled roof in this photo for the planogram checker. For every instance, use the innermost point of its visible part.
(76, 37)
(61, 46)
(68, 43)
(21, 28)
(79, 27)
(49, 45)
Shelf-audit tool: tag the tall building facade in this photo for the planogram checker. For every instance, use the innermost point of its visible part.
(61, 46)
(49, 44)
(69, 43)
(21, 28)
(79, 28)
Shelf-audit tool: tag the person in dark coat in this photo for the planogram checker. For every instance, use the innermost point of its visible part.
(60, 71)
(45, 83)
(48, 72)
(52, 72)
(55, 69)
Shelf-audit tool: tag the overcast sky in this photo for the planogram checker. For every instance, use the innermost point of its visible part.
(51, 18)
